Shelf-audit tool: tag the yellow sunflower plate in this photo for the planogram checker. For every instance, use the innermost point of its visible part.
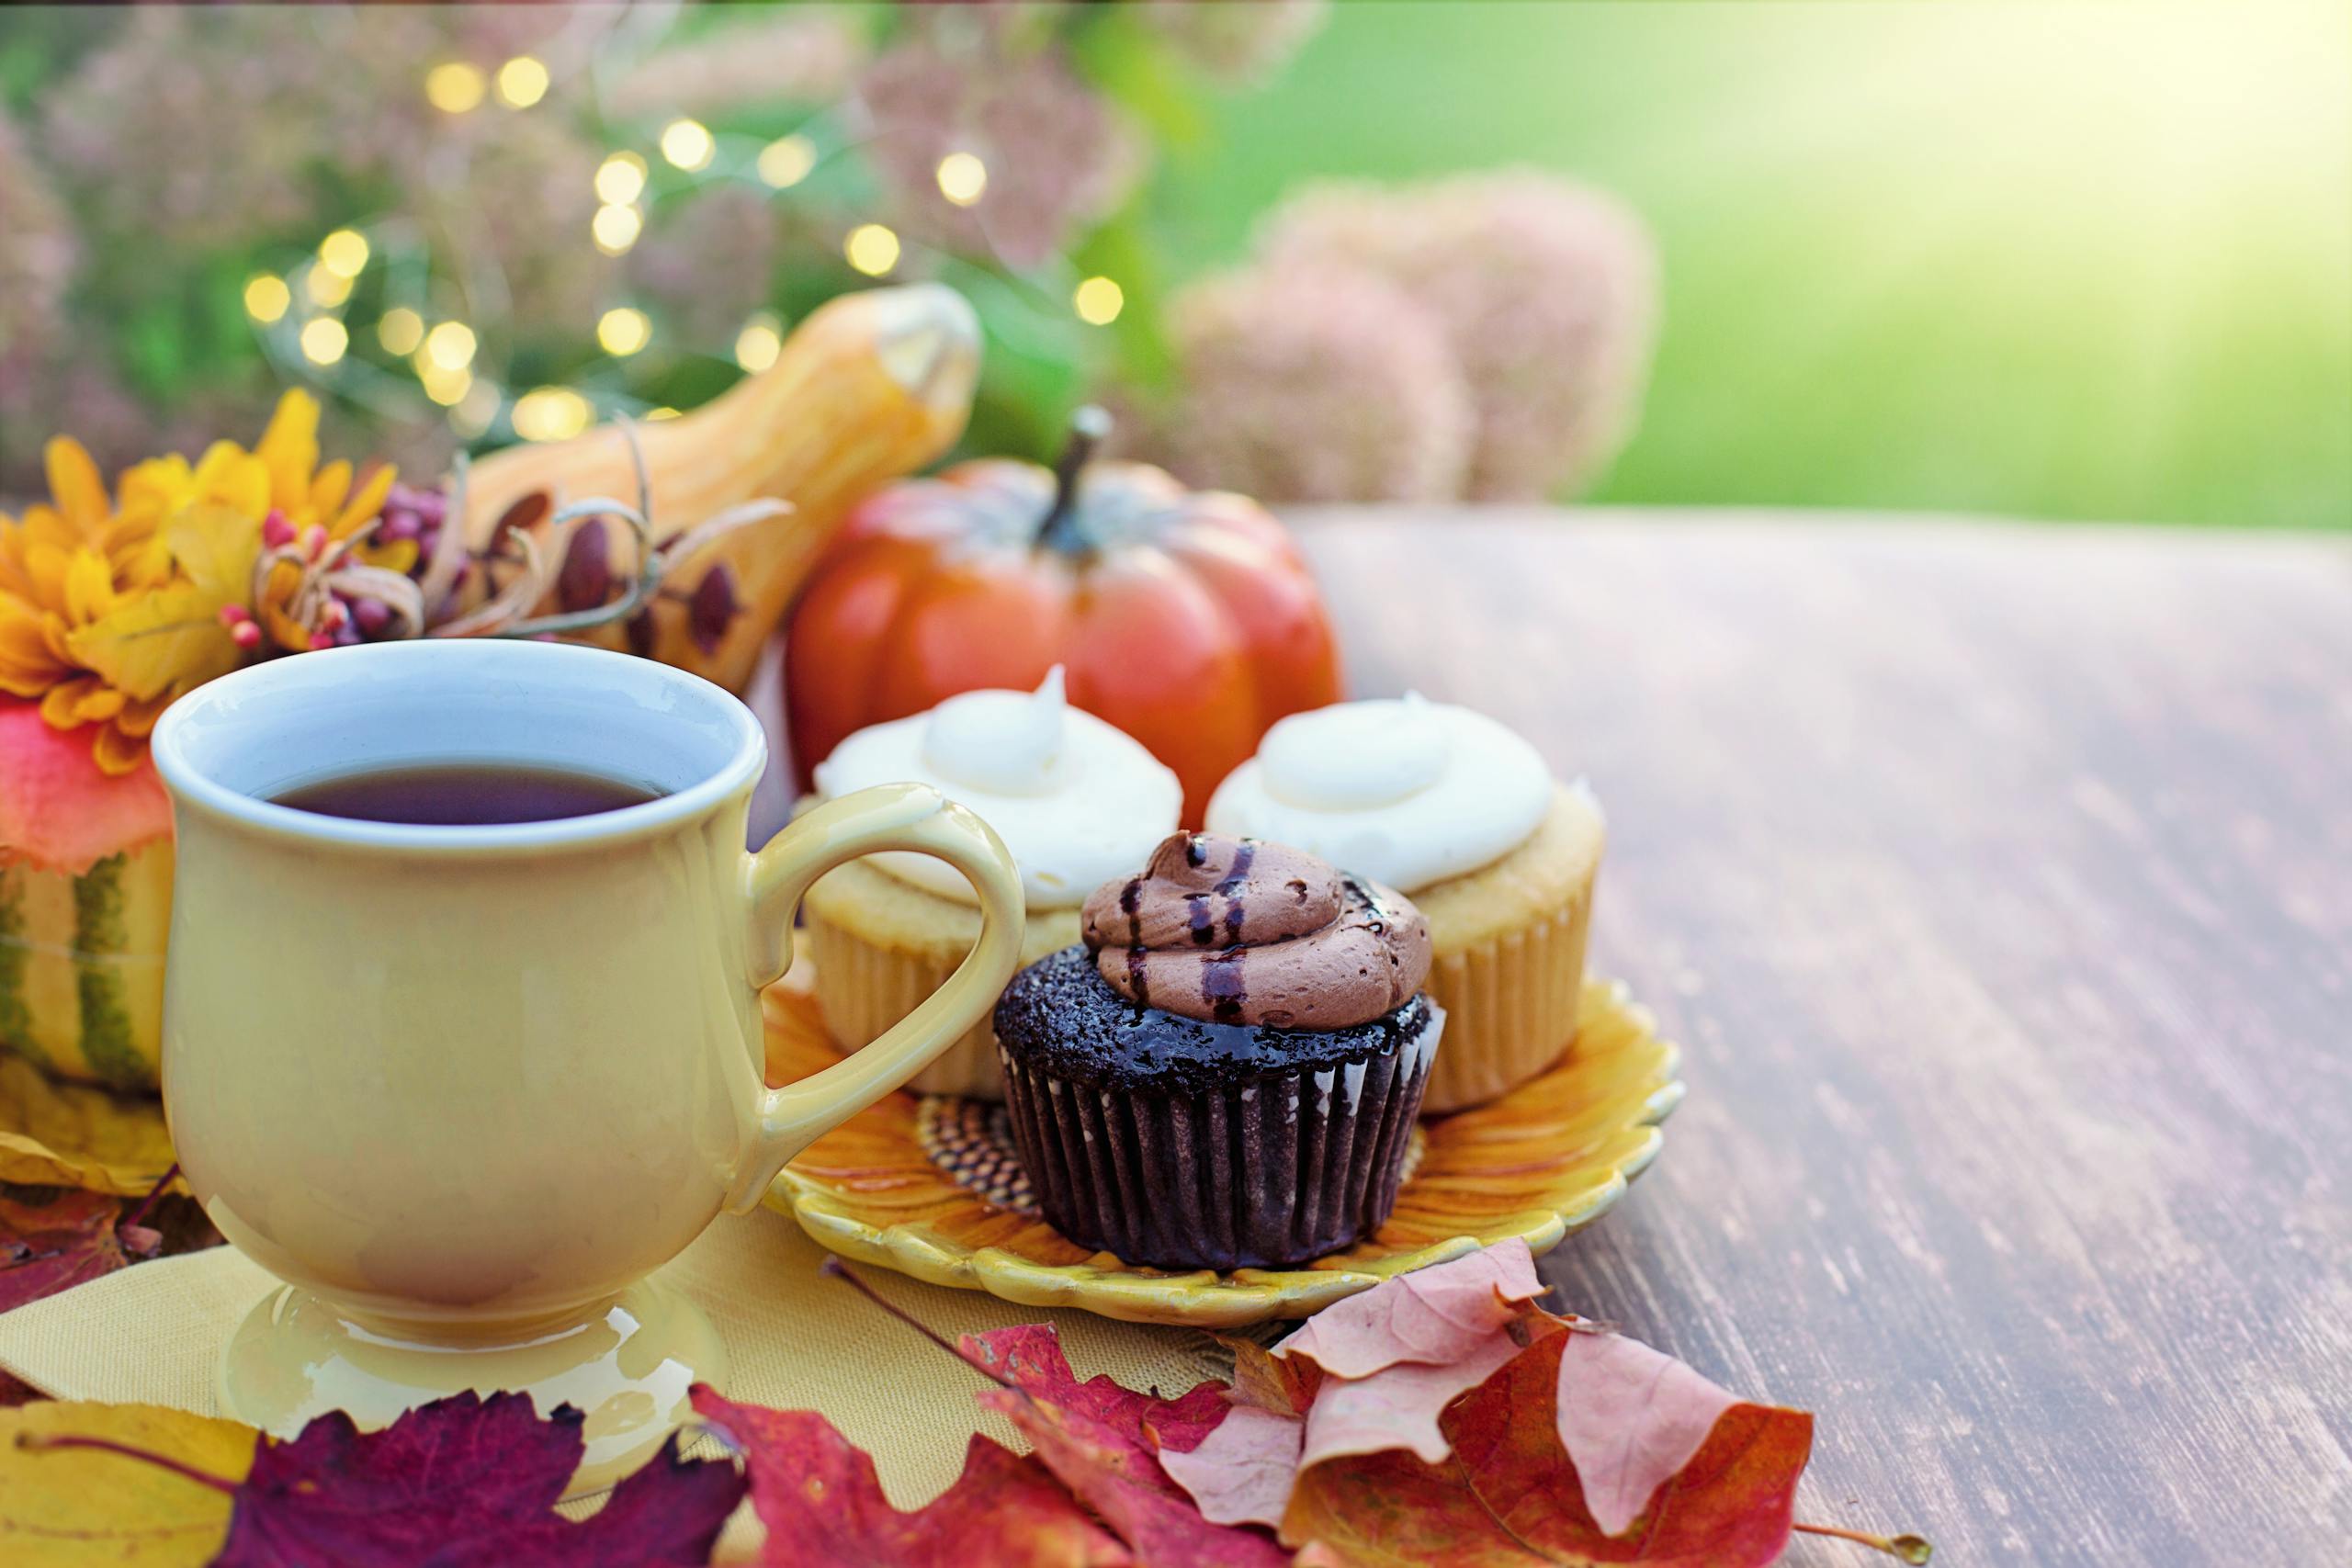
(928, 1184)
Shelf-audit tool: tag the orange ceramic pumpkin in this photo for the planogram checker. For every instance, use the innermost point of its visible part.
(1188, 619)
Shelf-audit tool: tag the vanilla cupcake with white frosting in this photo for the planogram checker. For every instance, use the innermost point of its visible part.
(1461, 814)
(1074, 800)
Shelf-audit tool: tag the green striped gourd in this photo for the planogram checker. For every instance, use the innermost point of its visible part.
(82, 966)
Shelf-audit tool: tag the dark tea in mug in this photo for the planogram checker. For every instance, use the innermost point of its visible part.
(457, 794)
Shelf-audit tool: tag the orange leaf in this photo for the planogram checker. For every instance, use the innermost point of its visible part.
(1510, 1490)
(1477, 1428)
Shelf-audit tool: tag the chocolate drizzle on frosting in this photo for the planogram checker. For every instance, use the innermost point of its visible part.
(1232, 930)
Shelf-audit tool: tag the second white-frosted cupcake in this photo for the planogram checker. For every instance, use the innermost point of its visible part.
(1461, 814)
(1076, 801)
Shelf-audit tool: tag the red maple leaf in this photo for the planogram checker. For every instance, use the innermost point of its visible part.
(822, 1503)
(1100, 1440)
(1030, 1356)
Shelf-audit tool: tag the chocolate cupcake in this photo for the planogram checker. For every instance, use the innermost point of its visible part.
(1224, 1074)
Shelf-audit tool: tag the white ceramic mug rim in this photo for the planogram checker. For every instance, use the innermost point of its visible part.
(190, 784)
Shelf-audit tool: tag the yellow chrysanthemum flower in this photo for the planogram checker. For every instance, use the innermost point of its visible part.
(281, 474)
(109, 610)
(76, 518)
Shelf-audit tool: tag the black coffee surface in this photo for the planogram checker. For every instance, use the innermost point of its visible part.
(449, 794)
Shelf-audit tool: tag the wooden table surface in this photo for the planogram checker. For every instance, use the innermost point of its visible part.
(1997, 883)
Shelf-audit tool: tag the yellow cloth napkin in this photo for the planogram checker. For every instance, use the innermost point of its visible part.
(153, 1333)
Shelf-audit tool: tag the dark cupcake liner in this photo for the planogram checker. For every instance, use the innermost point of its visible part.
(1277, 1170)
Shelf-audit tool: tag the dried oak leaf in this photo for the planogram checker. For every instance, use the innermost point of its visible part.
(53, 1238)
(1243, 1472)
(1472, 1427)
(1509, 1490)
(1103, 1441)
(467, 1483)
(1284, 1384)
(821, 1502)
(1435, 1315)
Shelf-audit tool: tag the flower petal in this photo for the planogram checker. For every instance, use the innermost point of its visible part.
(367, 503)
(288, 449)
(154, 489)
(45, 569)
(117, 752)
(28, 665)
(330, 487)
(61, 707)
(398, 556)
(89, 588)
(138, 717)
(74, 481)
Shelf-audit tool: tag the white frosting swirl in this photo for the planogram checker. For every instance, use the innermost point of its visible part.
(1076, 801)
(1406, 792)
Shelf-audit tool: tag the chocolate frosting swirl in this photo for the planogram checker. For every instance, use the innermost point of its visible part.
(1234, 930)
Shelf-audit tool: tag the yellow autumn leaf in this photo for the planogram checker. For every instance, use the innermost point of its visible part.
(164, 637)
(214, 547)
(61, 1134)
(64, 1507)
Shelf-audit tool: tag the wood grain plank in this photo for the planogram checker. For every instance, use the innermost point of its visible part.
(1998, 882)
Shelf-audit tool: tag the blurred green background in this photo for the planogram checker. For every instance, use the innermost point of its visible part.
(2060, 260)
(2075, 259)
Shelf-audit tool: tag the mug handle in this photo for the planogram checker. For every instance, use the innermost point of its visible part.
(884, 817)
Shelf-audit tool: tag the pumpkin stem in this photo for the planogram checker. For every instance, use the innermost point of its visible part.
(1088, 427)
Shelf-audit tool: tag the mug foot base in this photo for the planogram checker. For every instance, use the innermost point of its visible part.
(628, 1367)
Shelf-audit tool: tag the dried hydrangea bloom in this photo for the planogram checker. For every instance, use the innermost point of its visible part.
(1057, 158)
(185, 130)
(37, 252)
(803, 57)
(199, 131)
(521, 203)
(1236, 45)
(42, 393)
(1547, 294)
(708, 263)
(489, 34)
(1316, 383)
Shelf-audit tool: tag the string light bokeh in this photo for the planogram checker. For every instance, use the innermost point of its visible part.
(310, 318)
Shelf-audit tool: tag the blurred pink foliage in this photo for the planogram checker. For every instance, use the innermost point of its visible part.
(1237, 45)
(1541, 294)
(810, 54)
(166, 155)
(188, 131)
(710, 260)
(35, 254)
(1058, 156)
(1315, 385)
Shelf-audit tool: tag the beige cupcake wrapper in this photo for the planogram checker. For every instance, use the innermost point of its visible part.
(864, 989)
(1511, 1007)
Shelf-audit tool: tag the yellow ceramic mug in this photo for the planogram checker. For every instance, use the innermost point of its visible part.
(464, 1088)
